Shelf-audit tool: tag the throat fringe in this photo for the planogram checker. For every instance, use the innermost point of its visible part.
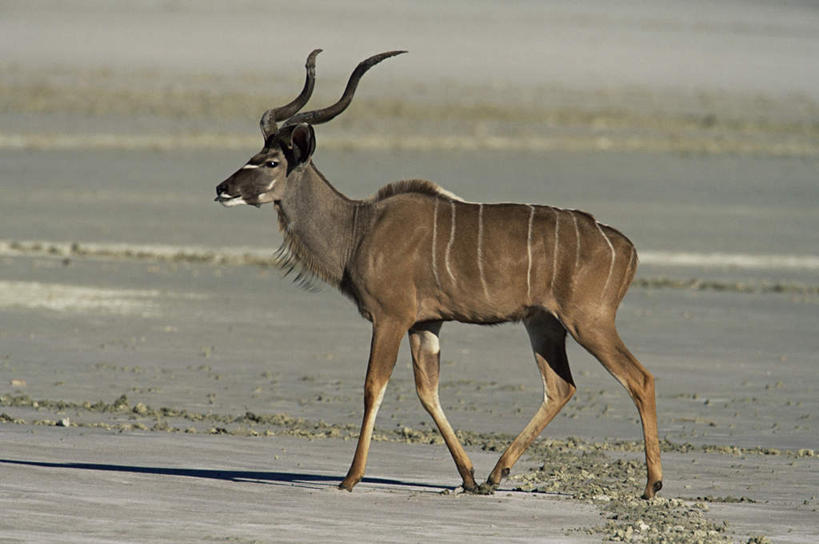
(287, 260)
(293, 257)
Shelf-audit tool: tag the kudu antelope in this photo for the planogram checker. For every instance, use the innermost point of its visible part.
(414, 256)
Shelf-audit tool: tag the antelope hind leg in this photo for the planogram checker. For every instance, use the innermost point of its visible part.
(548, 339)
(602, 341)
(426, 358)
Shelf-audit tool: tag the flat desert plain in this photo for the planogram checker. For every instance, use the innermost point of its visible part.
(161, 381)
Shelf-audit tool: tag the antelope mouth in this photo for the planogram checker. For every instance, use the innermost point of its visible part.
(229, 200)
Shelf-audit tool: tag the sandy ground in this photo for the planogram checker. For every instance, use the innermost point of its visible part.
(92, 486)
(213, 375)
(71, 485)
(157, 384)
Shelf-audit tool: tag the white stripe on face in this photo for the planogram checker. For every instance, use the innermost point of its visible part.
(229, 201)
(250, 166)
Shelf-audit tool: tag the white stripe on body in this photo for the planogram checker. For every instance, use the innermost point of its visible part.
(480, 251)
(555, 250)
(577, 242)
(529, 254)
(624, 287)
(435, 244)
(451, 240)
(611, 247)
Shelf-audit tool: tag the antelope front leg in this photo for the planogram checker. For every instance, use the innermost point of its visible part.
(383, 353)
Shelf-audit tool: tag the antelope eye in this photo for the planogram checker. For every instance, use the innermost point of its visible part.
(271, 164)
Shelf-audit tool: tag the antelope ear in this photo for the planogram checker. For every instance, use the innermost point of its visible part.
(303, 140)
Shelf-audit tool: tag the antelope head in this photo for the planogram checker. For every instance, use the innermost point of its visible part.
(288, 150)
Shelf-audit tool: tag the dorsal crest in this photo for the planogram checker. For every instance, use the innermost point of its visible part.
(413, 186)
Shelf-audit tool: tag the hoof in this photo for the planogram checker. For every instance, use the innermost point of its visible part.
(650, 492)
(484, 489)
(347, 485)
(468, 484)
(469, 488)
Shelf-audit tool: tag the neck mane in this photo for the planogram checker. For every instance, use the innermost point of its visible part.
(318, 224)
(321, 226)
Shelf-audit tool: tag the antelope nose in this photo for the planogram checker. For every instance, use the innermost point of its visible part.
(221, 190)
